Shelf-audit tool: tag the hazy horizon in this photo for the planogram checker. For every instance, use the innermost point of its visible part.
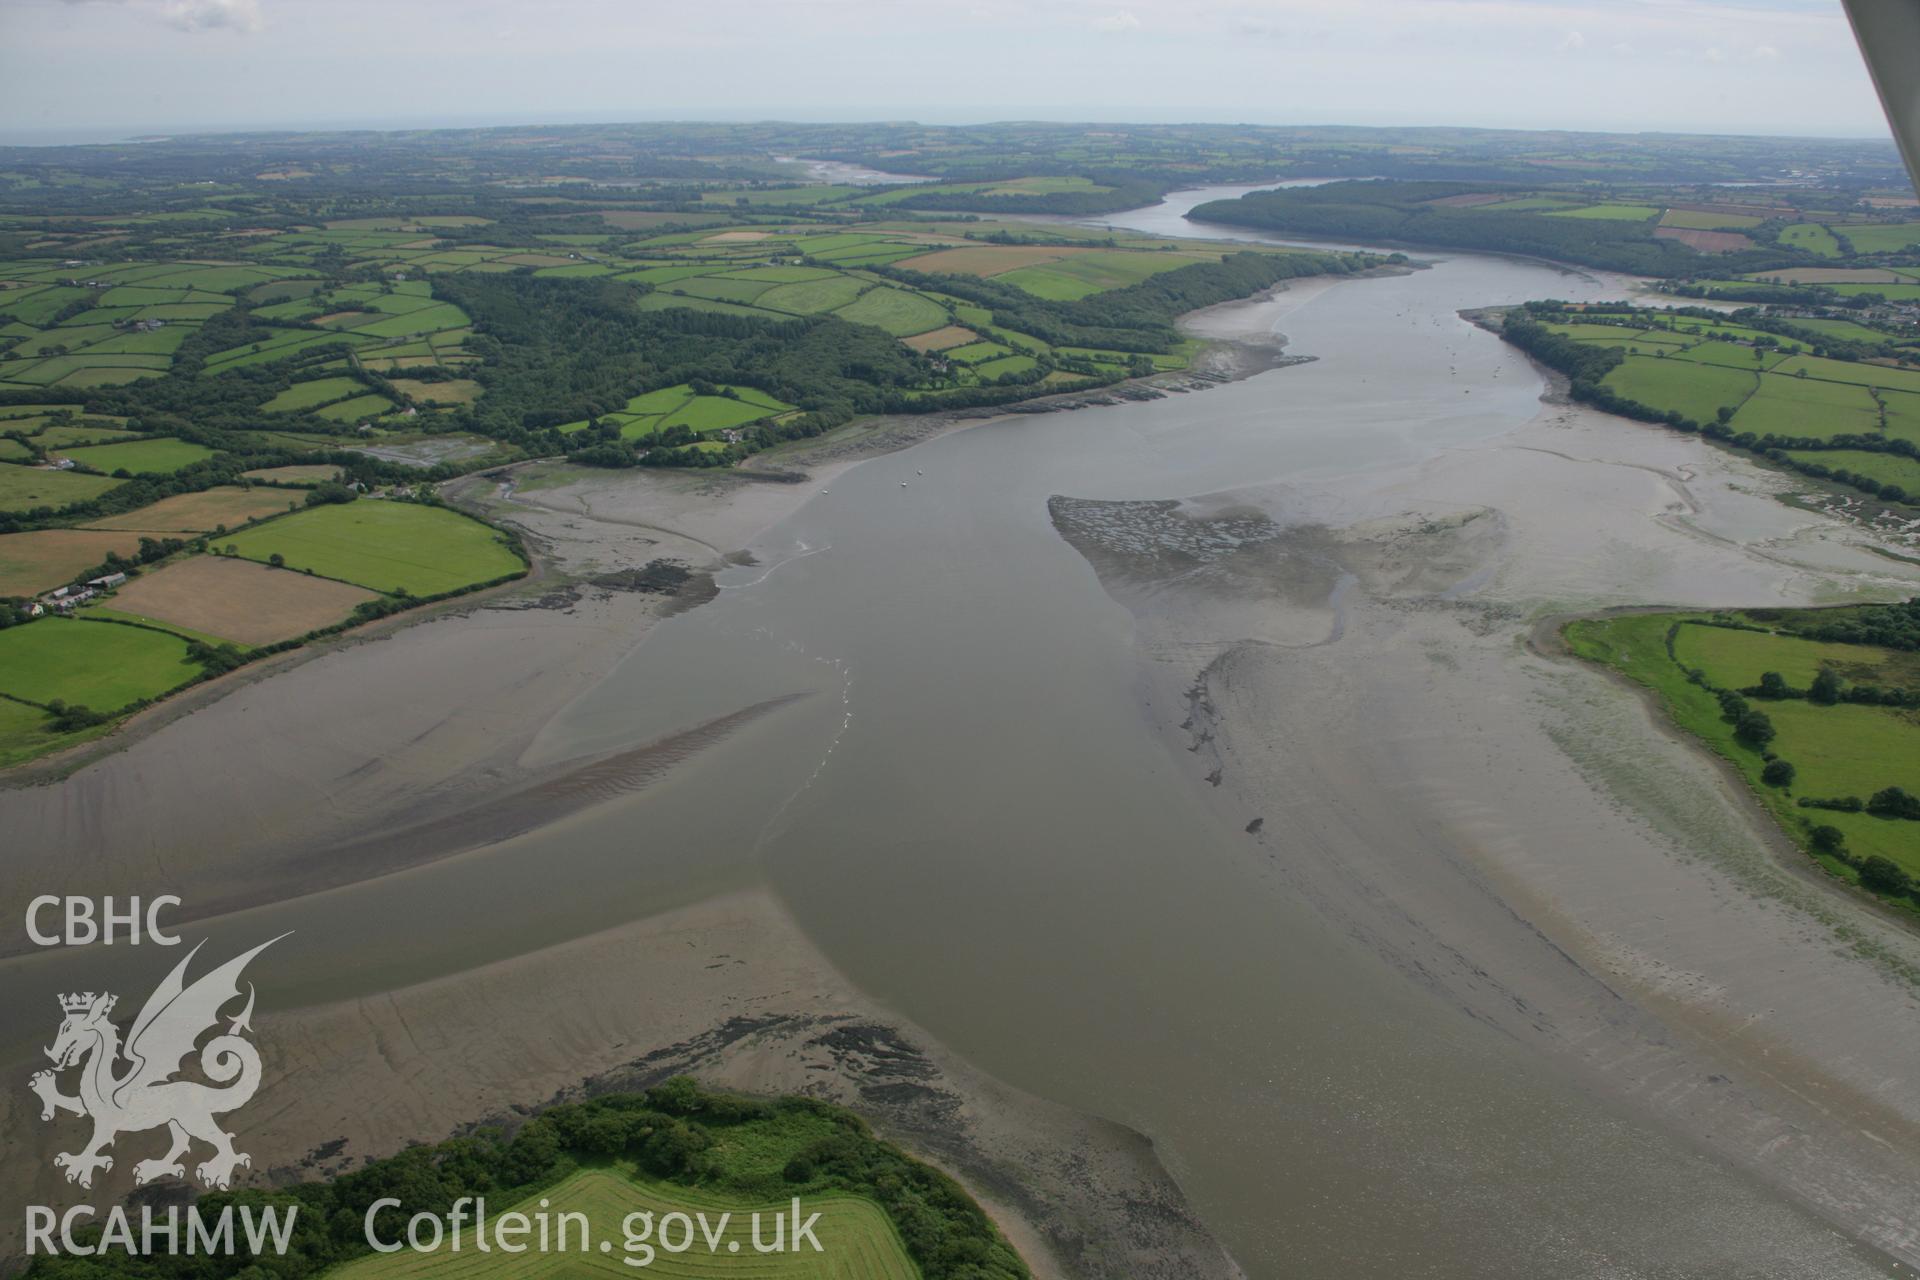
(1748, 67)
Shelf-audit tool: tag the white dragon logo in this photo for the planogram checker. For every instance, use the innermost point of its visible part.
(144, 1096)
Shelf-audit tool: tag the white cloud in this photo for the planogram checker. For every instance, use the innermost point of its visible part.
(1120, 20)
(1574, 40)
(1765, 53)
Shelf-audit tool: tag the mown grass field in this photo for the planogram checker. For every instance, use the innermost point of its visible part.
(1840, 750)
(857, 1240)
(25, 733)
(1609, 212)
(389, 547)
(1696, 390)
(1812, 237)
(1804, 407)
(1882, 237)
(163, 456)
(302, 396)
(24, 488)
(101, 665)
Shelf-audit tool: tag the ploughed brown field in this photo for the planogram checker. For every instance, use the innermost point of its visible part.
(47, 558)
(238, 599)
(1705, 241)
(312, 473)
(202, 512)
(940, 339)
(451, 391)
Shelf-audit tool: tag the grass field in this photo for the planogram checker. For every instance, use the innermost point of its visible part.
(56, 438)
(99, 665)
(357, 409)
(24, 488)
(1859, 374)
(299, 475)
(1883, 468)
(1609, 212)
(163, 456)
(201, 512)
(1882, 237)
(237, 600)
(448, 391)
(302, 396)
(809, 297)
(1804, 407)
(390, 547)
(1698, 220)
(43, 559)
(897, 311)
(857, 1242)
(1695, 390)
(25, 732)
(1844, 329)
(1812, 237)
(1840, 750)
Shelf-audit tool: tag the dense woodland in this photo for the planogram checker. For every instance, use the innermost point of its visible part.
(1404, 213)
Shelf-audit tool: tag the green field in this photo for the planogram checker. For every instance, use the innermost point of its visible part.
(100, 665)
(808, 297)
(64, 437)
(1846, 330)
(1609, 212)
(356, 409)
(163, 456)
(992, 369)
(24, 488)
(1732, 355)
(1882, 237)
(1812, 237)
(1697, 391)
(1882, 468)
(26, 732)
(897, 311)
(1804, 407)
(1860, 374)
(1837, 750)
(857, 1242)
(392, 547)
(1737, 658)
(307, 395)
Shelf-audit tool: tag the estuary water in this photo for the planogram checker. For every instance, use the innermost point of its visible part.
(984, 807)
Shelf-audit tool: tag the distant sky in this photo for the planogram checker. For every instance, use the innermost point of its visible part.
(86, 69)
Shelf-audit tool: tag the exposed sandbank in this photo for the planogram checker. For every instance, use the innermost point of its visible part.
(1571, 874)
